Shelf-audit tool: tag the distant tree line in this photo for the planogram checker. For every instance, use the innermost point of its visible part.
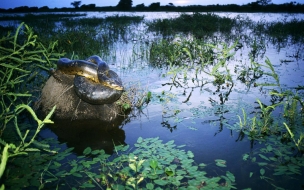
(127, 5)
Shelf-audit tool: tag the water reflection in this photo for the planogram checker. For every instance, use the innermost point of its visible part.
(94, 134)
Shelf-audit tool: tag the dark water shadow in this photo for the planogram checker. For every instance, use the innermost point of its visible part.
(96, 134)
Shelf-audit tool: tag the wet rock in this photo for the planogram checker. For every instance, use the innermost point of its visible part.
(69, 106)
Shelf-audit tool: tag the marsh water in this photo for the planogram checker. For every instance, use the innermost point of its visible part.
(202, 123)
(202, 117)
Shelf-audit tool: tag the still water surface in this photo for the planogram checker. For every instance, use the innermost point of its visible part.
(205, 135)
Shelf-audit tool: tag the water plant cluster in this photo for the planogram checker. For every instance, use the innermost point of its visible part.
(194, 58)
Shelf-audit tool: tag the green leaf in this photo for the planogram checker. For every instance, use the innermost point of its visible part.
(140, 140)
(57, 164)
(87, 185)
(77, 175)
(250, 174)
(190, 154)
(133, 166)
(220, 163)
(150, 186)
(87, 151)
(262, 163)
(262, 171)
(169, 171)
(264, 157)
(269, 148)
(160, 182)
(245, 157)
(230, 176)
(4, 158)
(153, 164)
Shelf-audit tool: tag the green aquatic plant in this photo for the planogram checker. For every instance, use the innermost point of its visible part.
(284, 30)
(27, 141)
(22, 58)
(191, 57)
(151, 164)
(22, 61)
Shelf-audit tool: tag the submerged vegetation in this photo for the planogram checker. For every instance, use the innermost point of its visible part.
(194, 55)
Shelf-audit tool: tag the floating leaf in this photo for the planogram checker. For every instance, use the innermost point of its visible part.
(160, 182)
(87, 151)
(245, 156)
(230, 176)
(153, 164)
(264, 157)
(220, 163)
(150, 186)
(169, 171)
(262, 163)
(269, 148)
(140, 140)
(250, 174)
(190, 154)
(262, 171)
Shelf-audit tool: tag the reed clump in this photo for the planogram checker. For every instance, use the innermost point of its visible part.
(197, 24)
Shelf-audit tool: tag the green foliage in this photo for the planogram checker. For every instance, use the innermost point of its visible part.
(26, 142)
(282, 30)
(153, 164)
(22, 57)
(85, 36)
(186, 58)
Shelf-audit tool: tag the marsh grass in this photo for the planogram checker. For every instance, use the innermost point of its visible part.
(198, 24)
(22, 57)
(31, 17)
(84, 36)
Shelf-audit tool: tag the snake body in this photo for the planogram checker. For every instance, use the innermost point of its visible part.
(94, 82)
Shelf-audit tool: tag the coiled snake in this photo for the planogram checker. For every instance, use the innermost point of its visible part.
(94, 82)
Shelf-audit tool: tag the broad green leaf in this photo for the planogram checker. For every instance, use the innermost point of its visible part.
(160, 182)
(169, 171)
(87, 151)
(140, 140)
(190, 154)
(150, 186)
(133, 166)
(220, 162)
(230, 176)
(269, 148)
(153, 164)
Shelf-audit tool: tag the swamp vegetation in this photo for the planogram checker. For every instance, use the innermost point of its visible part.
(196, 56)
